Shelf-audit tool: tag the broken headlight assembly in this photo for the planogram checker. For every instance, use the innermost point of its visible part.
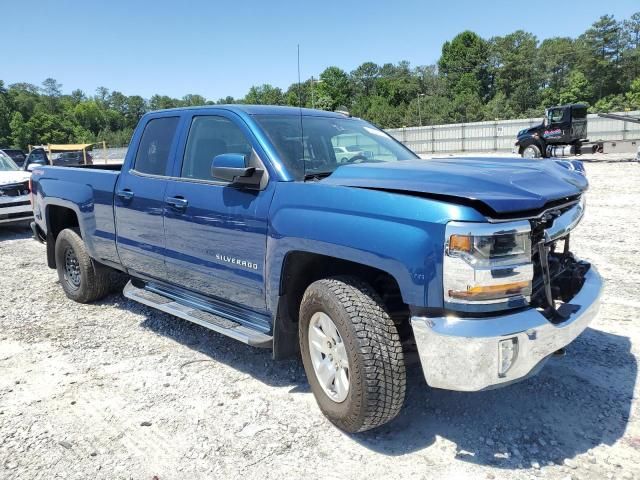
(487, 267)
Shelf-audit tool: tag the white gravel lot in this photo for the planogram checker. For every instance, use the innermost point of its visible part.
(116, 390)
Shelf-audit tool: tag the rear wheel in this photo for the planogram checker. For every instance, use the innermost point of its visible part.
(351, 353)
(81, 278)
(531, 151)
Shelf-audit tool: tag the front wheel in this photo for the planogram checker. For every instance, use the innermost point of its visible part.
(81, 278)
(351, 353)
(531, 151)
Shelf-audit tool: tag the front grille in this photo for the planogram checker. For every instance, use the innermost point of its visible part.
(14, 189)
(566, 273)
(14, 204)
(16, 215)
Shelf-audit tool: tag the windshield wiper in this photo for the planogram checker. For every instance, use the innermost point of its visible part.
(318, 175)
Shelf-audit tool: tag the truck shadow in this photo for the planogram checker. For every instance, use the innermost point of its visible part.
(17, 231)
(574, 404)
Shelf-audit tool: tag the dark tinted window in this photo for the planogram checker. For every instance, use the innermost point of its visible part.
(155, 146)
(579, 112)
(16, 155)
(210, 136)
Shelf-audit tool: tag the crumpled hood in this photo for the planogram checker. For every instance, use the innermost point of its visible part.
(13, 176)
(505, 185)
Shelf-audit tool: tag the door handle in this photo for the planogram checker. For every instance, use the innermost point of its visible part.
(126, 194)
(177, 203)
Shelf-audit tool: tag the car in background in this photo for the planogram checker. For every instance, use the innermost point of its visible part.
(36, 157)
(17, 155)
(15, 203)
(70, 159)
(347, 154)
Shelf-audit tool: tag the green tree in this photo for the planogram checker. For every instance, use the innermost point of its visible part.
(515, 73)
(161, 102)
(264, 95)
(578, 89)
(464, 64)
(5, 116)
(193, 100)
(333, 89)
(631, 48)
(21, 135)
(364, 78)
(599, 56)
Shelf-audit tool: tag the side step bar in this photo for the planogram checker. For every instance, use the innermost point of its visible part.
(206, 319)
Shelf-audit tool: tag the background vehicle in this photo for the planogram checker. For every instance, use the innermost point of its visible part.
(36, 157)
(15, 204)
(68, 159)
(242, 219)
(16, 155)
(562, 132)
(346, 154)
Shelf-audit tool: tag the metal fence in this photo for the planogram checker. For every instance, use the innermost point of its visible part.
(500, 135)
(108, 155)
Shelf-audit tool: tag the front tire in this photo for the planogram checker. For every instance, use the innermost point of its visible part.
(82, 279)
(351, 353)
(531, 151)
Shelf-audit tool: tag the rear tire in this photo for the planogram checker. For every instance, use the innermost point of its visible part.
(370, 346)
(82, 279)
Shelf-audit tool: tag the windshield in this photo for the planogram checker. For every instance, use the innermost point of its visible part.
(322, 144)
(6, 164)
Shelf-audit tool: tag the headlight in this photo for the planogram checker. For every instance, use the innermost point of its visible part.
(487, 266)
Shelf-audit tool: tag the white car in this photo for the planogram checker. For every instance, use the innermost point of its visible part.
(15, 204)
(344, 154)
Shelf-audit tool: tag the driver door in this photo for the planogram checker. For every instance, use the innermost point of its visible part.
(216, 233)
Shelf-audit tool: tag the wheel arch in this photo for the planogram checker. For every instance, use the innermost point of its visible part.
(300, 269)
(58, 218)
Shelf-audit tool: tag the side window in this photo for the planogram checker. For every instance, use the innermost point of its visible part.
(210, 136)
(556, 115)
(155, 145)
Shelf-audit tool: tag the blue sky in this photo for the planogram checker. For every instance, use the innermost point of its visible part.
(222, 48)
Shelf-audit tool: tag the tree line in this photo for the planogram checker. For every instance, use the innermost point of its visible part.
(475, 79)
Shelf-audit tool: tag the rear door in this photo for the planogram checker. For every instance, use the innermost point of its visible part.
(216, 233)
(140, 199)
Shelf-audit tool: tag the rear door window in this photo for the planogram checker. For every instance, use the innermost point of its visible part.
(155, 146)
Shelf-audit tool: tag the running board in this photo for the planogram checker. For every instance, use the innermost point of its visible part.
(208, 320)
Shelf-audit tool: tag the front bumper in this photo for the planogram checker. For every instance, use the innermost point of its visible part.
(462, 353)
(15, 209)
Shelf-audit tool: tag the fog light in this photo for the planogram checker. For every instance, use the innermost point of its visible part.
(507, 353)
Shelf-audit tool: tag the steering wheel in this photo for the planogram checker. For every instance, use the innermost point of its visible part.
(357, 159)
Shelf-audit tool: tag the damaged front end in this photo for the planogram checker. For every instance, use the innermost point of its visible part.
(527, 296)
(557, 274)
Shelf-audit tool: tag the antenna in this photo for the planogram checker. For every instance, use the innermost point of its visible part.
(299, 82)
(304, 163)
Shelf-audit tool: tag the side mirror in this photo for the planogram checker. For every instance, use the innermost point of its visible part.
(232, 168)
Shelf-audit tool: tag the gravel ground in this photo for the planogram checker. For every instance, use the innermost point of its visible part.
(116, 390)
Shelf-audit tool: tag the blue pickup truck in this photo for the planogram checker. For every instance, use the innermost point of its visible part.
(244, 220)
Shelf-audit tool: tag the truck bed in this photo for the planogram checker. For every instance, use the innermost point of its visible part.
(89, 192)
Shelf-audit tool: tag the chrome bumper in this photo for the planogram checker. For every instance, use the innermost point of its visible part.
(462, 353)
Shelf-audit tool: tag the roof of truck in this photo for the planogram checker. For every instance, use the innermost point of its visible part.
(262, 110)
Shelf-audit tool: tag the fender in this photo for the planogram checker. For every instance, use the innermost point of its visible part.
(92, 204)
(402, 235)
